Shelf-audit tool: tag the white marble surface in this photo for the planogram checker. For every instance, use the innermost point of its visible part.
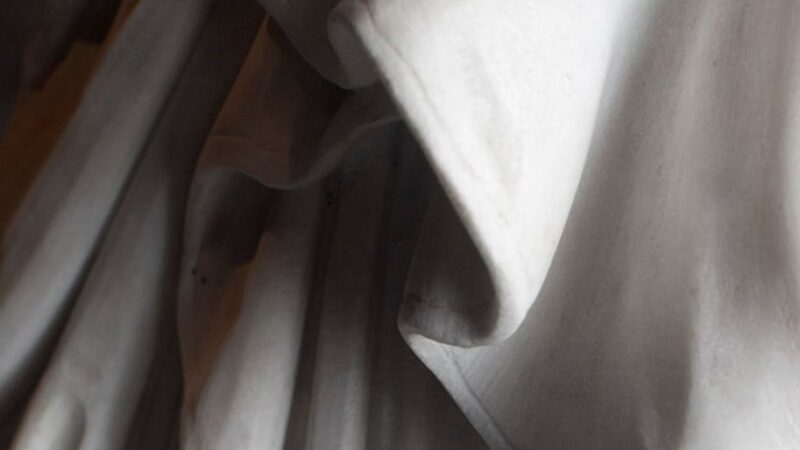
(601, 250)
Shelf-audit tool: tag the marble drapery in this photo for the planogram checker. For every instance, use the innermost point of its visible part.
(394, 224)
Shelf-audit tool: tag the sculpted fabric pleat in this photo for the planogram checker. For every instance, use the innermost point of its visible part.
(94, 383)
(49, 243)
(677, 105)
(412, 225)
